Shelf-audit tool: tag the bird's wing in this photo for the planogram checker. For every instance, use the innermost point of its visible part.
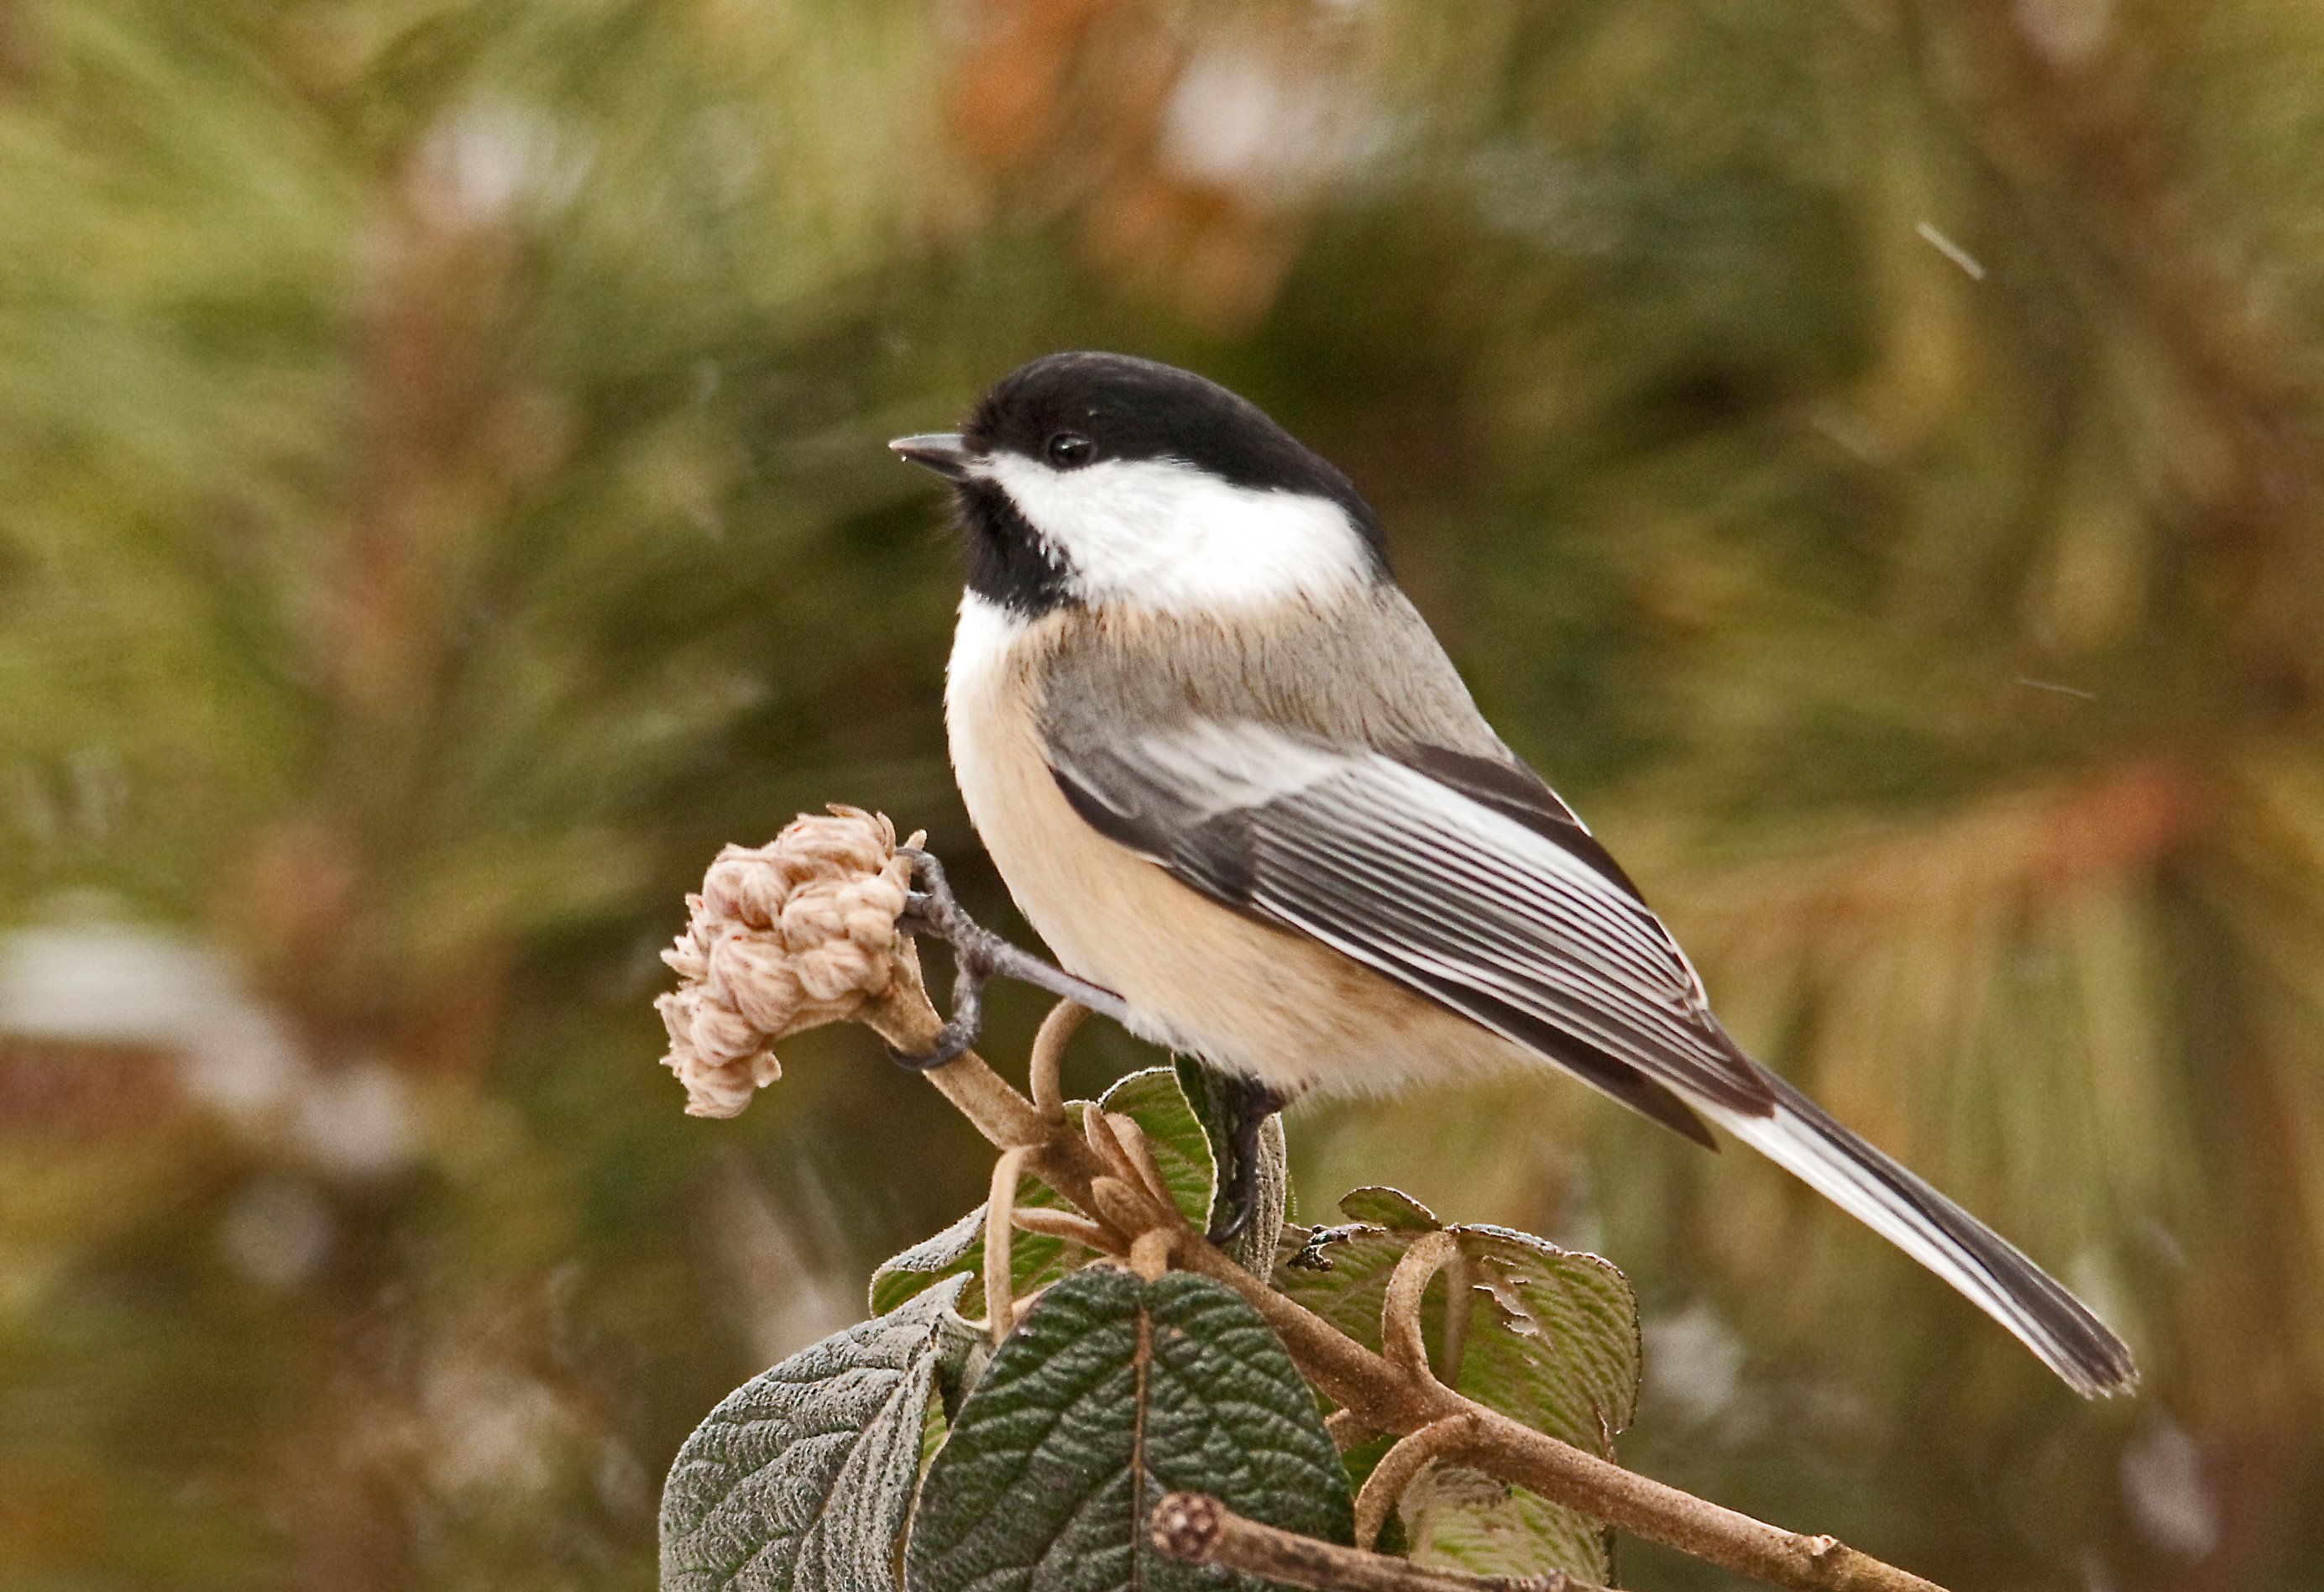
(1458, 877)
(1463, 879)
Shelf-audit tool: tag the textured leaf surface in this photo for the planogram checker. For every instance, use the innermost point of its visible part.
(1551, 1339)
(1150, 1098)
(801, 1480)
(1113, 1391)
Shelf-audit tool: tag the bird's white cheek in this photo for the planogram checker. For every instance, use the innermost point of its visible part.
(1173, 538)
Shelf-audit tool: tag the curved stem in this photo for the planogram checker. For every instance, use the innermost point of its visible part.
(1058, 1029)
(1401, 1335)
(999, 1276)
(1388, 1398)
(1385, 1487)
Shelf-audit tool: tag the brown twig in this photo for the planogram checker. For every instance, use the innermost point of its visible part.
(1389, 1400)
(907, 1020)
(1384, 1396)
(1057, 1030)
(1195, 1528)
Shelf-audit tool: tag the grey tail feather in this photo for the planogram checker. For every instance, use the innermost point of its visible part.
(1804, 1138)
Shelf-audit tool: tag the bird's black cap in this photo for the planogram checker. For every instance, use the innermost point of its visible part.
(1141, 409)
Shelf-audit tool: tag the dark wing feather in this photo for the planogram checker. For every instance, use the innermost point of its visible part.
(1514, 919)
(1511, 787)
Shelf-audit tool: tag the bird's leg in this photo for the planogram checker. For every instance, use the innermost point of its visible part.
(978, 955)
(1249, 1102)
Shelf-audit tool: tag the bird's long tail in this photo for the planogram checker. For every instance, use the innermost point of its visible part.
(1801, 1137)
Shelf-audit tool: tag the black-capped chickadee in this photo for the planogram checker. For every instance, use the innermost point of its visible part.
(1226, 771)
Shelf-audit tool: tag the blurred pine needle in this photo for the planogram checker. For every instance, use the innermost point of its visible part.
(440, 503)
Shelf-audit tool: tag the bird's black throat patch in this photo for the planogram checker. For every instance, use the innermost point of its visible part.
(1008, 564)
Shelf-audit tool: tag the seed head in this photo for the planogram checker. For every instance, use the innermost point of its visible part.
(795, 933)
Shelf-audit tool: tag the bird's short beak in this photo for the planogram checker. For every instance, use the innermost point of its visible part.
(945, 452)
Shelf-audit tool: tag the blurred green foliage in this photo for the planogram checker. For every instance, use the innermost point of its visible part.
(1865, 451)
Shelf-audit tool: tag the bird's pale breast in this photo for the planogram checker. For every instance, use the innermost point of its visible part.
(1202, 978)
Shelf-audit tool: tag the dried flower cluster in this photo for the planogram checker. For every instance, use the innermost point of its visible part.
(795, 933)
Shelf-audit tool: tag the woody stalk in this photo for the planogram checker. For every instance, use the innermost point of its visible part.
(819, 926)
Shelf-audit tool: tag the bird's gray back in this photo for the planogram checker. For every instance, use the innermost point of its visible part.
(1363, 672)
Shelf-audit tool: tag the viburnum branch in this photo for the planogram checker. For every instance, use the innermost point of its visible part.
(980, 955)
(1383, 1397)
(1386, 1398)
(1195, 1528)
(1385, 1487)
(740, 946)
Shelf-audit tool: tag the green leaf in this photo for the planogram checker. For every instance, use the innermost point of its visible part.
(1151, 1098)
(1551, 1339)
(1456, 1518)
(1113, 1391)
(1388, 1207)
(801, 1480)
(1253, 1248)
(1154, 1100)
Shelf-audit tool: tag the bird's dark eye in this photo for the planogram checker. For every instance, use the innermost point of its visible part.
(1069, 451)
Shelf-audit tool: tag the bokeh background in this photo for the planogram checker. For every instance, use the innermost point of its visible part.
(1865, 451)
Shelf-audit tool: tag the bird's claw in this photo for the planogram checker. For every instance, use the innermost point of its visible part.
(953, 1040)
(979, 955)
(932, 910)
(1252, 1104)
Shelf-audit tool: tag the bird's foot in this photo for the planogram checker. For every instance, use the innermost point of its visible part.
(979, 955)
(1249, 1105)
